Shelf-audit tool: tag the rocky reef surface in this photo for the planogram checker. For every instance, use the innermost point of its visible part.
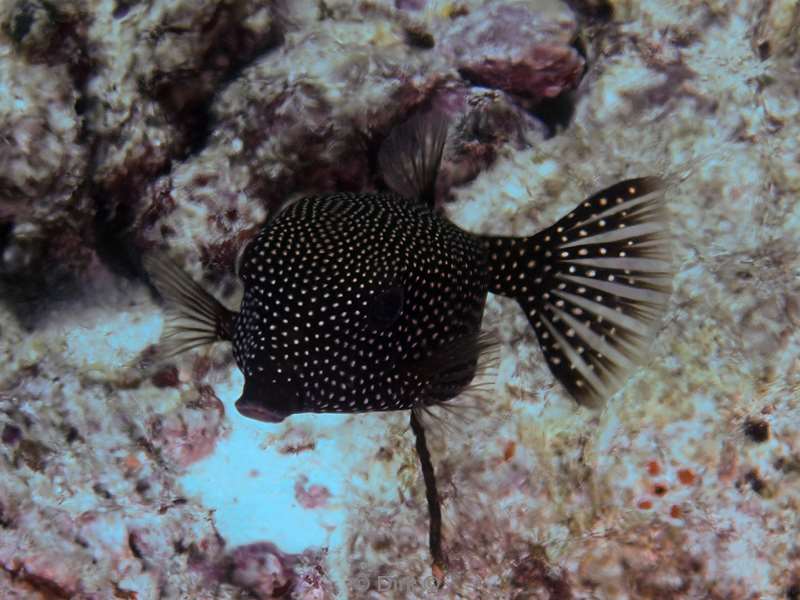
(127, 125)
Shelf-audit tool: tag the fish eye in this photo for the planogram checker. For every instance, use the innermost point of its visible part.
(385, 307)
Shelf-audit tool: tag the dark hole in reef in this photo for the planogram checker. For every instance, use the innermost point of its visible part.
(116, 221)
(81, 104)
(197, 123)
(122, 7)
(596, 10)
(793, 593)
(72, 434)
(134, 546)
(102, 491)
(757, 430)
(756, 483)
(188, 99)
(22, 24)
(5, 233)
(419, 37)
(113, 240)
(369, 144)
(5, 521)
(21, 21)
(187, 104)
(11, 434)
(28, 289)
(580, 47)
(556, 113)
(764, 50)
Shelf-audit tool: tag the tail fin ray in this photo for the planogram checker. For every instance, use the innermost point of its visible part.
(593, 285)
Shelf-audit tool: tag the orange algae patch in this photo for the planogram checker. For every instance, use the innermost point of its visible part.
(509, 451)
(644, 504)
(131, 464)
(653, 468)
(686, 476)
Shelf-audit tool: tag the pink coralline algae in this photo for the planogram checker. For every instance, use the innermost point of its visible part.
(43, 576)
(262, 569)
(313, 496)
(296, 440)
(265, 572)
(191, 433)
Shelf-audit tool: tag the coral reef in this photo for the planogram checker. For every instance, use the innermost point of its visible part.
(126, 125)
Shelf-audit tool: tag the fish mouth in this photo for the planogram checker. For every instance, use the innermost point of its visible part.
(269, 401)
(258, 412)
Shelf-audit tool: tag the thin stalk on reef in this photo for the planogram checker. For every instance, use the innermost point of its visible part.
(432, 495)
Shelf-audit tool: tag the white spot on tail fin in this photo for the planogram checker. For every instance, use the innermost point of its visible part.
(607, 287)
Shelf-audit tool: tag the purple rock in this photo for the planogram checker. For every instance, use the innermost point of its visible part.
(262, 570)
(409, 4)
(516, 49)
(190, 433)
(311, 496)
(481, 122)
(11, 434)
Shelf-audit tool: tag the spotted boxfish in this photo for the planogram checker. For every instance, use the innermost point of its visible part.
(357, 302)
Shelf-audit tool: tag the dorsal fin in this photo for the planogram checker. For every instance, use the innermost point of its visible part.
(410, 156)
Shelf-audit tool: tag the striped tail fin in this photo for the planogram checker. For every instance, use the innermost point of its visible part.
(594, 285)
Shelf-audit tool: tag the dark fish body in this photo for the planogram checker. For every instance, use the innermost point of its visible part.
(373, 301)
(348, 296)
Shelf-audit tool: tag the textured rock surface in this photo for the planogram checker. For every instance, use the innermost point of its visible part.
(515, 49)
(127, 124)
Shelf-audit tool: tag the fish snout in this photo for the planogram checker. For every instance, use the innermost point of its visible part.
(258, 412)
(267, 399)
